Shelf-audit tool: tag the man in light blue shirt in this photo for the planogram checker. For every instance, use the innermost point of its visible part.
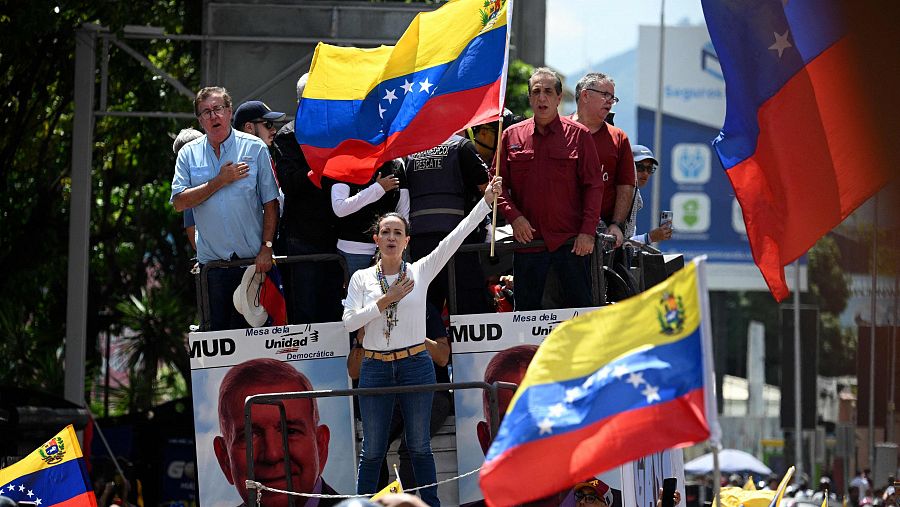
(226, 178)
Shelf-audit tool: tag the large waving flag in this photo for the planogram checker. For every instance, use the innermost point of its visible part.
(607, 388)
(364, 107)
(805, 136)
(54, 475)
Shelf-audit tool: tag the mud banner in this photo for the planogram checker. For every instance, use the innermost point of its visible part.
(227, 366)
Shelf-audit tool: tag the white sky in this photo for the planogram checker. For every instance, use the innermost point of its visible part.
(581, 32)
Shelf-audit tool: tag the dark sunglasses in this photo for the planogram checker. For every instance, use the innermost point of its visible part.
(644, 168)
(269, 124)
(587, 497)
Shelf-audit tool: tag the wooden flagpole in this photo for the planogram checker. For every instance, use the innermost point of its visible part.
(497, 153)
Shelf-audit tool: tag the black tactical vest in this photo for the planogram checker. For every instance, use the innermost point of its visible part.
(437, 201)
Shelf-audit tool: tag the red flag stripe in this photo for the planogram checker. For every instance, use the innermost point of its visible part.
(813, 166)
(597, 448)
(342, 162)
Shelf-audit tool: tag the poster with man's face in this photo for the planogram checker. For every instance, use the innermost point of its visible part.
(491, 347)
(228, 366)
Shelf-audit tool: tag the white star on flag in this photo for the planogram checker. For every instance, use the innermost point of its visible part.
(425, 86)
(381, 111)
(588, 382)
(635, 379)
(781, 42)
(572, 394)
(407, 86)
(546, 426)
(30, 493)
(390, 96)
(619, 371)
(652, 393)
(557, 410)
(22, 488)
(37, 501)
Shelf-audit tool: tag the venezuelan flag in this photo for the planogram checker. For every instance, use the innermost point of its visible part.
(363, 107)
(606, 388)
(811, 121)
(54, 475)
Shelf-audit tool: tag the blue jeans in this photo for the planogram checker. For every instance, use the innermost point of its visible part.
(440, 409)
(313, 290)
(220, 286)
(376, 414)
(530, 270)
(355, 262)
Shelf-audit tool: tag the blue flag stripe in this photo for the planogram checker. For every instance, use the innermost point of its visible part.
(744, 33)
(52, 485)
(652, 376)
(479, 64)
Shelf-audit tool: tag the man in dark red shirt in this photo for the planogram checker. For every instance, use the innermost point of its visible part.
(595, 94)
(553, 192)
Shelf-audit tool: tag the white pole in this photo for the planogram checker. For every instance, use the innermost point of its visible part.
(872, 334)
(658, 117)
(889, 435)
(717, 475)
(798, 424)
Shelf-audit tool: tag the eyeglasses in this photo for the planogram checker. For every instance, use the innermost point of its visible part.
(587, 497)
(605, 96)
(208, 113)
(269, 124)
(645, 168)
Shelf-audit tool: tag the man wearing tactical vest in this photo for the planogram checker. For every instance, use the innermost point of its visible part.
(445, 183)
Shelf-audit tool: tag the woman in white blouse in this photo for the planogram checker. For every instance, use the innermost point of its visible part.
(388, 300)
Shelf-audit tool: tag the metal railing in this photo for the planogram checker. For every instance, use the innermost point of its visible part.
(598, 260)
(203, 285)
(277, 399)
(598, 288)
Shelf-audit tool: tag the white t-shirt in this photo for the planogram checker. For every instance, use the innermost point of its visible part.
(361, 309)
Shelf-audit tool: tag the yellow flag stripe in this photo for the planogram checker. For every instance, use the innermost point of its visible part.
(583, 345)
(35, 462)
(433, 38)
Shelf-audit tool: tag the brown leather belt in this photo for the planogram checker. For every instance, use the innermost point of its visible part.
(395, 354)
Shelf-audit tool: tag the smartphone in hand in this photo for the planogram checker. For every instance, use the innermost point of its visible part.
(664, 217)
(668, 496)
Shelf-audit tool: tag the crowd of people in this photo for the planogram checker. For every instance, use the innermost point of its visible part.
(861, 490)
(243, 185)
(246, 193)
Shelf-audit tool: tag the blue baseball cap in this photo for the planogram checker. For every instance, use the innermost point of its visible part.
(254, 110)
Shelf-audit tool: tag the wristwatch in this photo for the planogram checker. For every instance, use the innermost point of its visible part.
(267, 243)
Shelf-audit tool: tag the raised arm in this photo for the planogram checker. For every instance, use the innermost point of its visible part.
(432, 263)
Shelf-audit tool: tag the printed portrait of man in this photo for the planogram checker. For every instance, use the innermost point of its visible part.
(307, 439)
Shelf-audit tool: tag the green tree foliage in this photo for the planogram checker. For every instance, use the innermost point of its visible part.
(830, 290)
(136, 243)
(517, 87)
(828, 285)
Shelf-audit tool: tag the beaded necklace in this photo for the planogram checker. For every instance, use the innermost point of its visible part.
(390, 313)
